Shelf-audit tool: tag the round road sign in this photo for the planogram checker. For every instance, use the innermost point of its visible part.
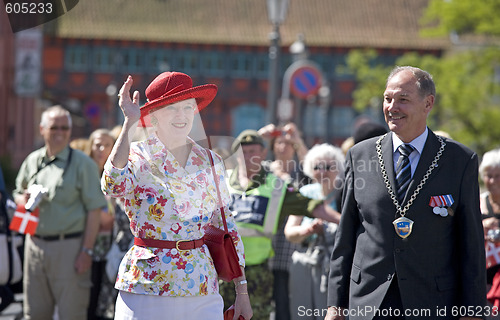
(305, 81)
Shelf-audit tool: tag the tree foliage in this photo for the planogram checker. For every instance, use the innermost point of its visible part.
(468, 96)
(462, 16)
(467, 105)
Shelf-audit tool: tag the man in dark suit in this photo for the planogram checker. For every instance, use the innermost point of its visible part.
(410, 242)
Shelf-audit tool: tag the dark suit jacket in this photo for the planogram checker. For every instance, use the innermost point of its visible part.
(440, 265)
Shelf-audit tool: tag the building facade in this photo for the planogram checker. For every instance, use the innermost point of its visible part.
(89, 52)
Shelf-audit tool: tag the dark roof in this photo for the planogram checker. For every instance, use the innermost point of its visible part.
(330, 23)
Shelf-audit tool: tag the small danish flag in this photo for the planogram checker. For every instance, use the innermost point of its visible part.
(492, 253)
(24, 221)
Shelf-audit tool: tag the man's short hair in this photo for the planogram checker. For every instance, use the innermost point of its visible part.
(425, 83)
(56, 110)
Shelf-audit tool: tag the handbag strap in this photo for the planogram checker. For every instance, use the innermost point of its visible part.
(218, 191)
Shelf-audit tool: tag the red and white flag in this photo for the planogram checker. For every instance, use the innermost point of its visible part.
(492, 253)
(24, 222)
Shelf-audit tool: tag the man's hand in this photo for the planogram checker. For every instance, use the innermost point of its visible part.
(83, 262)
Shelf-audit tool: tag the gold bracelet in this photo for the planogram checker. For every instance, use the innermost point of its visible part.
(242, 293)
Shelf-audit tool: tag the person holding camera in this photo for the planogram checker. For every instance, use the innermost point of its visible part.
(58, 257)
(288, 152)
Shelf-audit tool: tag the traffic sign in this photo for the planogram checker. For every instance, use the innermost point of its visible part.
(305, 81)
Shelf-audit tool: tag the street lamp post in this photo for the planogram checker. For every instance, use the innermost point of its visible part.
(276, 10)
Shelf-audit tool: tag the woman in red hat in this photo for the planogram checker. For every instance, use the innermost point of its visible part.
(170, 197)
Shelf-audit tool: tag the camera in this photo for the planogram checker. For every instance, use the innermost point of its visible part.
(37, 192)
(278, 133)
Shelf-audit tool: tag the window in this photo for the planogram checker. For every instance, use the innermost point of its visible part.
(77, 58)
(188, 62)
(159, 60)
(132, 60)
(262, 66)
(212, 63)
(315, 121)
(103, 59)
(241, 65)
(247, 116)
(341, 119)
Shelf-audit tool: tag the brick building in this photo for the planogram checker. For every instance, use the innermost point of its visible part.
(89, 51)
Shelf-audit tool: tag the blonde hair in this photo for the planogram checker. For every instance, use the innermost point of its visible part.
(81, 144)
(96, 133)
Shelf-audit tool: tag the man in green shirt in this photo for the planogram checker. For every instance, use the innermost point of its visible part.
(58, 256)
(260, 202)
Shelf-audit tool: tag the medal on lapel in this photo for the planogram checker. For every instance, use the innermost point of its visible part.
(403, 226)
(441, 205)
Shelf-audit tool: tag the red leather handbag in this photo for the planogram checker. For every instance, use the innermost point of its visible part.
(220, 244)
(229, 314)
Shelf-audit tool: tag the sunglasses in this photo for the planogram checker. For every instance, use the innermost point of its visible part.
(62, 128)
(323, 167)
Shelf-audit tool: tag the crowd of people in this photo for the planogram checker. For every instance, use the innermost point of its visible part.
(393, 219)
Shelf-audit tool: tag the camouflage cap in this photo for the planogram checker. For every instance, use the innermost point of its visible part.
(247, 137)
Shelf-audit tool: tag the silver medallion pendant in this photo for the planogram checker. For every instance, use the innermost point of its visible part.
(403, 226)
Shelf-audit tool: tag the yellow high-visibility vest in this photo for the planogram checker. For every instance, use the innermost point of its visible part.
(256, 213)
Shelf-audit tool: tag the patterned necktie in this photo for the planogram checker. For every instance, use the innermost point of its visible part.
(403, 171)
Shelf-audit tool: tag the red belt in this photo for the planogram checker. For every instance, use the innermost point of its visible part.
(181, 245)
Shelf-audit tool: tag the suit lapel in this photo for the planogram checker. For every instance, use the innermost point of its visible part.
(431, 147)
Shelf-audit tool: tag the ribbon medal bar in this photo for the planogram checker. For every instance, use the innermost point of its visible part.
(441, 205)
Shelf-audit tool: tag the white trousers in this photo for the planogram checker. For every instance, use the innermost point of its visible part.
(130, 306)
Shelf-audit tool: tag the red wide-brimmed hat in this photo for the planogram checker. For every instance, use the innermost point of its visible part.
(172, 87)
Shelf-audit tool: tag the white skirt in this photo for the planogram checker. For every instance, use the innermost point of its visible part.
(130, 306)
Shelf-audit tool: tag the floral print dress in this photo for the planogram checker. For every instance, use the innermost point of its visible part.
(166, 201)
